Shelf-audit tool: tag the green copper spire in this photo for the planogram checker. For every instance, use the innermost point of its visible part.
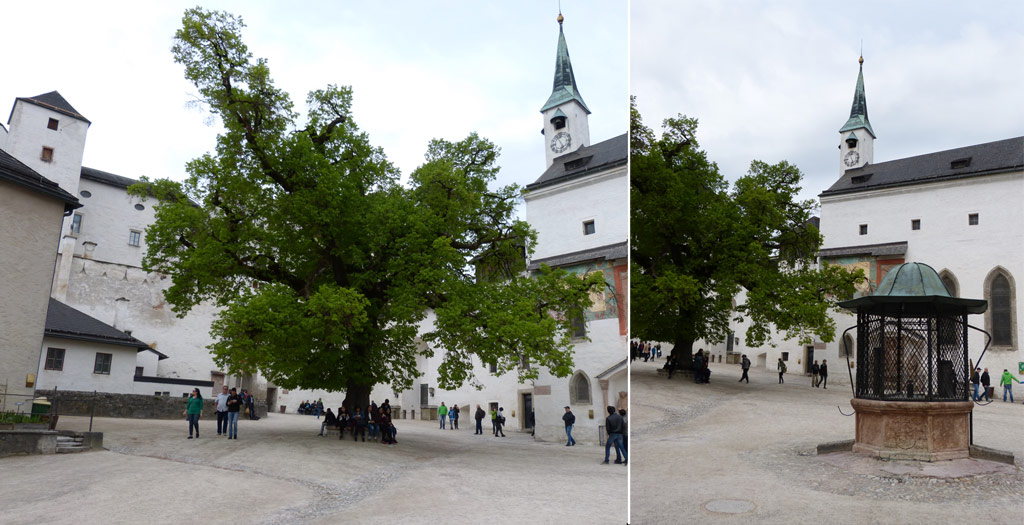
(859, 110)
(565, 88)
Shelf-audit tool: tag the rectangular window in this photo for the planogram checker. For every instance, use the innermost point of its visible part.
(133, 237)
(493, 367)
(102, 365)
(915, 224)
(138, 371)
(52, 124)
(863, 229)
(785, 356)
(972, 219)
(54, 359)
(588, 228)
(579, 326)
(524, 363)
(76, 224)
(46, 155)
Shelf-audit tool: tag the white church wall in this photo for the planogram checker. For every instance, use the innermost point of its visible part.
(945, 241)
(558, 213)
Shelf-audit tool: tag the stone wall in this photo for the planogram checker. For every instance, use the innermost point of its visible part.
(100, 404)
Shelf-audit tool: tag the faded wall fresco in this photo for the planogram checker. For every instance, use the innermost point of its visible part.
(605, 303)
(874, 268)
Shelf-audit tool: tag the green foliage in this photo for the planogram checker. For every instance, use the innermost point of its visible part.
(696, 244)
(324, 265)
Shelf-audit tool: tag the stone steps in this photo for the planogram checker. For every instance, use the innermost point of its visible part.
(69, 445)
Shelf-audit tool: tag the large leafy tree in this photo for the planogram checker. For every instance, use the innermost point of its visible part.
(324, 265)
(696, 243)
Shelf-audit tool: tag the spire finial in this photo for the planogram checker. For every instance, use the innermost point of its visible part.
(560, 18)
(861, 52)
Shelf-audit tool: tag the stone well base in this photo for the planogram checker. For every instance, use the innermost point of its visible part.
(922, 431)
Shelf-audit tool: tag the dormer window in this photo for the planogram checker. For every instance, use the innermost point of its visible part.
(851, 140)
(960, 163)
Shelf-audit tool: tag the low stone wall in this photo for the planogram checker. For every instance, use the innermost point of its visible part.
(15, 442)
(101, 404)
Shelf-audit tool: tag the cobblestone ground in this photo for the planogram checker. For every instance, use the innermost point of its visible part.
(730, 452)
(280, 471)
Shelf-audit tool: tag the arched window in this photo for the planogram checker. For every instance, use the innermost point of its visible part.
(949, 280)
(847, 349)
(579, 389)
(1001, 317)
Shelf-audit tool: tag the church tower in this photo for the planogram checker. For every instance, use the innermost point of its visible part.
(856, 138)
(565, 114)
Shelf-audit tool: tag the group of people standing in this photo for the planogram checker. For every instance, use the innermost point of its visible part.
(819, 374)
(644, 349)
(373, 420)
(228, 404)
(452, 414)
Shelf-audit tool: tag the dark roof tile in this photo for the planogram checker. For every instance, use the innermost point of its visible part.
(66, 322)
(52, 101)
(985, 159)
(603, 155)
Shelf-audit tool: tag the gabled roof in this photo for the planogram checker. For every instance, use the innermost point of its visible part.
(610, 252)
(65, 322)
(586, 160)
(971, 161)
(859, 108)
(12, 170)
(107, 178)
(564, 88)
(52, 101)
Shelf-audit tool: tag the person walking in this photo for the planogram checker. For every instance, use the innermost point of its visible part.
(193, 411)
(1007, 383)
(614, 426)
(782, 370)
(698, 367)
(985, 382)
(569, 419)
(221, 402)
(494, 421)
(453, 417)
(479, 416)
(975, 381)
(442, 414)
(234, 407)
(250, 402)
(745, 365)
(814, 373)
(823, 374)
(499, 422)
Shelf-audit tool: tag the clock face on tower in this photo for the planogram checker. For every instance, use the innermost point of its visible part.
(561, 142)
(851, 158)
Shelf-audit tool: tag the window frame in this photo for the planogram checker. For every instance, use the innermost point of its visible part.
(589, 227)
(134, 235)
(53, 124)
(863, 229)
(51, 362)
(973, 219)
(76, 223)
(109, 361)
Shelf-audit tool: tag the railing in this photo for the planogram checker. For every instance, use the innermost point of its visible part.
(51, 416)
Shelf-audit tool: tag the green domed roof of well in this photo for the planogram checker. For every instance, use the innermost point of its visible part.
(917, 284)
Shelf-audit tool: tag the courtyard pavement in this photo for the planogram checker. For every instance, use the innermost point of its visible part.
(730, 452)
(279, 471)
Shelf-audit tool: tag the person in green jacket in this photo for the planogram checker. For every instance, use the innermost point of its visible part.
(442, 414)
(1007, 383)
(193, 411)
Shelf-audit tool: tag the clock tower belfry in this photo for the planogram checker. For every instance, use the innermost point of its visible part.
(565, 114)
(856, 138)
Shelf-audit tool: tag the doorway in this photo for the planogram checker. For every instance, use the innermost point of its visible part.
(808, 359)
(526, 422)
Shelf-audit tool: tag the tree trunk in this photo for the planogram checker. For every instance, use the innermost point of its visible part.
(682, 350)
(357, 395)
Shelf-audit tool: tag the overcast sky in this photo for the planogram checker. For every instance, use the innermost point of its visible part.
(774, 80)
(419, 70)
